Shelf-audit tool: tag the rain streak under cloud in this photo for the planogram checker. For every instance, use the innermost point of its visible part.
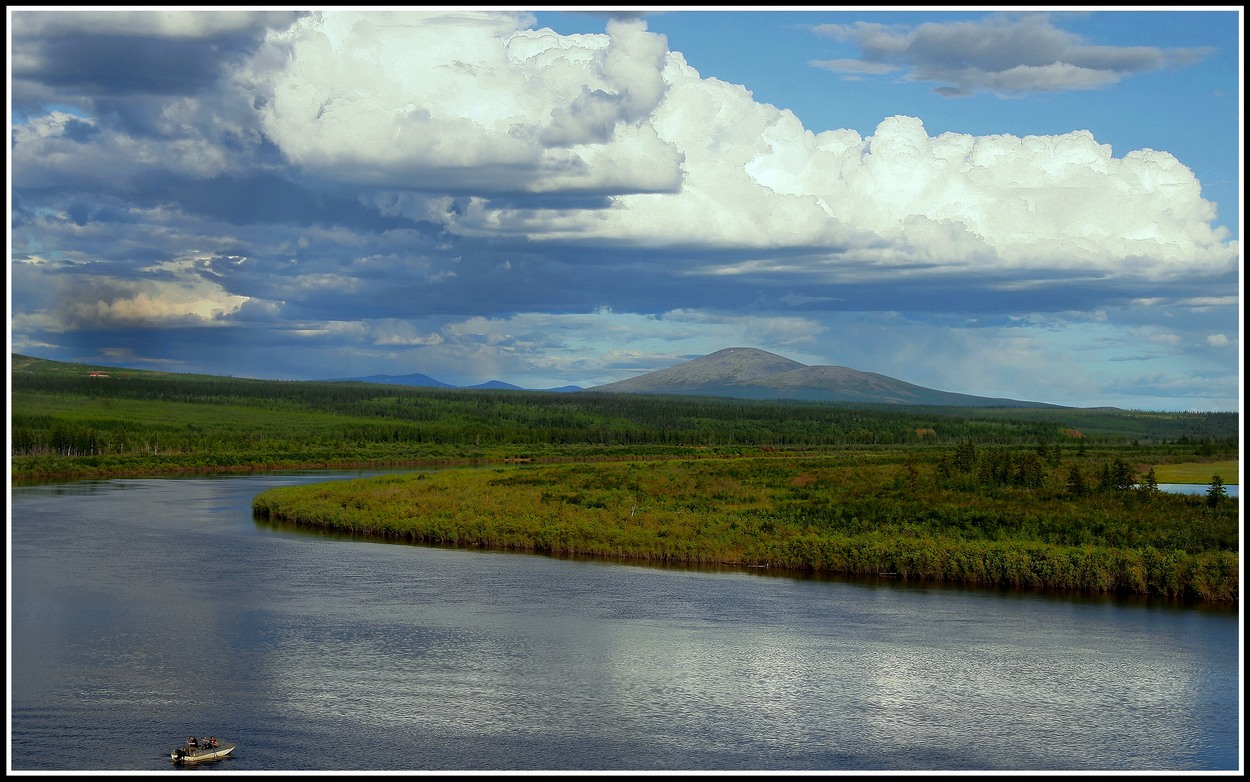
(472, 196)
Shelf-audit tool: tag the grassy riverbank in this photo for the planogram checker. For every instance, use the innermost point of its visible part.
(850, 513)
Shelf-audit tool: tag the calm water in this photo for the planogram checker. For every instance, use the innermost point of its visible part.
(146, 610)
(1198, 488)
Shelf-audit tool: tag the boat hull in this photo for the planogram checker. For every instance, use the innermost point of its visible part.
(187, 757)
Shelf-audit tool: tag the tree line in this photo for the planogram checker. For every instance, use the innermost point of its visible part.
(66, 422)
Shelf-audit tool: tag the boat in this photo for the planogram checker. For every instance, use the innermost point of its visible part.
(204, 752)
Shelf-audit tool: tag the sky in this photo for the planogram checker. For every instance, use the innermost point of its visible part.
(1032, 203)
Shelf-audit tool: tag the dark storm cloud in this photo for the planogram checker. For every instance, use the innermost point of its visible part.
(110, 54)
(80, 132)
(122, 65)
(261, 198)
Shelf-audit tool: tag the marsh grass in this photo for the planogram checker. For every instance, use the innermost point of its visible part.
(853, 514)
(1199, 472)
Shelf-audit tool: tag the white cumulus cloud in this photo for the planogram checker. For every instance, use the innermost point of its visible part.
(474, 104)
(474, 120)
(465, 102)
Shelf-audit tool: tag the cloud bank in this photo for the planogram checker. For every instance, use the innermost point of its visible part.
(496, 109)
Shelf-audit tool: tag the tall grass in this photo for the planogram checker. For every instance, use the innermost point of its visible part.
(851, 514)
(1199, 472)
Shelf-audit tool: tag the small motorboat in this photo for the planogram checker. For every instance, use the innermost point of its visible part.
(202, 752)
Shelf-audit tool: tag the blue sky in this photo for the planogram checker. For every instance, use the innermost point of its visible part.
(1030, 204)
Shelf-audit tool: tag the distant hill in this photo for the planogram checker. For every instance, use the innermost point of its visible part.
(750, 373)
(497, 384)
(395, 380)
(425, 381)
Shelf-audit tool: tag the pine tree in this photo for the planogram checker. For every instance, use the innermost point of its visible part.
(1216, 493)
(1122, 477)
(1076, 481)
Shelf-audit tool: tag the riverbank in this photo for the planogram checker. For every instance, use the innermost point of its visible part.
(851, 514)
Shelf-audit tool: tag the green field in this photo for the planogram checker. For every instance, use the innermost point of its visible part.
(1199, 472)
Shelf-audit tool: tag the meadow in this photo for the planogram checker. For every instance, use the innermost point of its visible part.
(1198, 472)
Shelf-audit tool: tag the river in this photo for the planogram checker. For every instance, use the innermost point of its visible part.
(145, 610)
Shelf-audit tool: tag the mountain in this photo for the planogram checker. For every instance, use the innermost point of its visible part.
(417, 379)
(395, 380)
(750, 373)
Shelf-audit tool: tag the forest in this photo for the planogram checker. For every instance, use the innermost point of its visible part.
(66, 422)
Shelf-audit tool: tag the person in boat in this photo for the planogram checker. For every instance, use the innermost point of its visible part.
(192, 743)
(212, 741)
